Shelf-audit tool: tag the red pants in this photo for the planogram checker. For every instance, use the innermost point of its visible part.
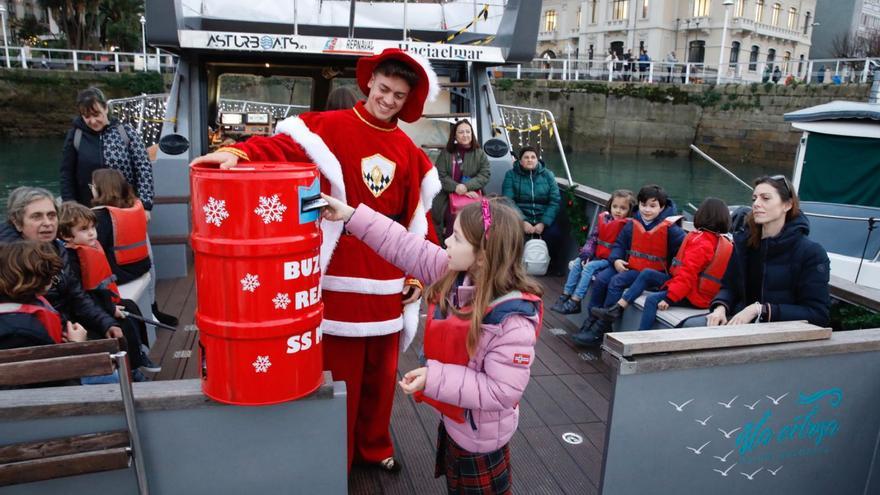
(368, 366)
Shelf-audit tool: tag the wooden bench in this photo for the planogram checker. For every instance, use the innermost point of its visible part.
(670, 318)
(79, 454)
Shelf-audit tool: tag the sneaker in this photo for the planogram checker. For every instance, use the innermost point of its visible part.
(557, 307)
(571, 307)
(164, 317)
(147, 364)
(137, 376)
(607, 314)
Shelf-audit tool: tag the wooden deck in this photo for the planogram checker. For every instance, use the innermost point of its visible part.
(568, 393)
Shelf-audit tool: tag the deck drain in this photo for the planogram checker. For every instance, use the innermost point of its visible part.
(190, 328)
(557, 331)
(572, 438)
(586, 356)
(182, 354)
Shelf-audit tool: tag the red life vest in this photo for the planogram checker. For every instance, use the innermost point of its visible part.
(709, 280)
(43, 312)
(609, 228)
(648, 247)
(129, 233)
(95, 269)
(446, 341)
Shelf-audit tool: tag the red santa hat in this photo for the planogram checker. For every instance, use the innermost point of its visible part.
(425, 90)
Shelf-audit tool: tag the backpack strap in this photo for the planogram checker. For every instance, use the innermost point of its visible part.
(77, 137)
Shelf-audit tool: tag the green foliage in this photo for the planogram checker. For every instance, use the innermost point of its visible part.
(138, 82)
(575, 208)
(28, 29)
(121, 24)
(849, 317)
(504, 84)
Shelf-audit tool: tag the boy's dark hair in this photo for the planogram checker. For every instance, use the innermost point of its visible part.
(712, 215)
(88, 98)
(623, 193)
(28, 268)
(525, 149)
(653, 191)
(395, 68)
(72, 214)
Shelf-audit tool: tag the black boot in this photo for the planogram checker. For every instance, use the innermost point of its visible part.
(609, 314)
(164, 317)
(588, 335)
(560, 303)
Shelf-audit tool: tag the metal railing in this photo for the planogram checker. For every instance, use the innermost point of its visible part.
(26, 57)
(524, 121)
(817, 71)
(277, 110)
(146, 113)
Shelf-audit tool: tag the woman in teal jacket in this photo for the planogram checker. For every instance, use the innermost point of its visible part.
(463, 169)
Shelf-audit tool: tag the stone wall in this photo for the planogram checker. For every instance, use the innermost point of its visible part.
(734, 123)
(40, 103)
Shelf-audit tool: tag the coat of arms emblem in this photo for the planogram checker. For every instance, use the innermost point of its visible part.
(378, 172)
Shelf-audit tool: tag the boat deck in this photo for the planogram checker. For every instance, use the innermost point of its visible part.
(569, 393)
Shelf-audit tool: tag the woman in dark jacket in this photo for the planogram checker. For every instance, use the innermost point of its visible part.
(533, 190)
(96, 141)
(463, 169)
(776, 272)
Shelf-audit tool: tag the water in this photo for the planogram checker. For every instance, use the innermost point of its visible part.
(35, 162)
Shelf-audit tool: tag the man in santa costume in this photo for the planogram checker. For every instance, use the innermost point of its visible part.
(364, 157)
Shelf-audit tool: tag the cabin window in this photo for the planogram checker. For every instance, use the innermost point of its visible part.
(250, 104)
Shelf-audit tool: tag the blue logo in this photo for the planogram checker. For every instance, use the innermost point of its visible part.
(266, 42)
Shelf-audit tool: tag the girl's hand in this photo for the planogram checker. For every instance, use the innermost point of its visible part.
(460, 189)
(528, 228)
(414, 381)
(662, 305)
(336, 210)
(118, 314)
(74, 333)
(472, 194)
(225, 159)
(717, 317)
(748, 315)
(539, 228)
(621, 266)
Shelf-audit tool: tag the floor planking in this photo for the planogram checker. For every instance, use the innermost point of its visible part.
(568, 393)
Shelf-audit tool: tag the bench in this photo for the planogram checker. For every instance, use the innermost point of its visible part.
(27, 462)
(665, 319)
(136, 290)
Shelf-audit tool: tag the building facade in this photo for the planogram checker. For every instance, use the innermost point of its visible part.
(858, 19)
(760, 33)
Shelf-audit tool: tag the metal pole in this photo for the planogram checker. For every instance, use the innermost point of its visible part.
(137, 453)
(295, 20)
(144, 40)
(518, 70)
(404, 20)
(351, 19)
(5, 42)
(158, 61)
(721, 167)
(723, 41)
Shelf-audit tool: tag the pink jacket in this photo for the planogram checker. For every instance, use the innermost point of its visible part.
(494, 380)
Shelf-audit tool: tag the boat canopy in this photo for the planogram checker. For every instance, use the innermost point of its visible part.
(836, 110)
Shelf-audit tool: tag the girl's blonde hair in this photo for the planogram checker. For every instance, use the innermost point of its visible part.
(498, 269)
(626, 194)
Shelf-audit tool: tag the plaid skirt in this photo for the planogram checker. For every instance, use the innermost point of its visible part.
(468, 473)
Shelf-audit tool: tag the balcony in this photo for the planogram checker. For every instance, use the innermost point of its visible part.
(617, 25)
(747, 25)
(547, 36)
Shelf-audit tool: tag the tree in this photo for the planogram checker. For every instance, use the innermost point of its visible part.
(28, 29)
(846, 46)
(121, 24)
(78, 20)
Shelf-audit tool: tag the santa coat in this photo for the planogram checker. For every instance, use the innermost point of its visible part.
(374, 163)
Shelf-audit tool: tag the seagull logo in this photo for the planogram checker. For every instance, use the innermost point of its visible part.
(699, 450)
(752, 476)
(728, 403)
(724, 473)
(703, 421)
(774, 472)
(752, 407)
(728, 433)
(776, 401)
(723, 459)
(677, 407)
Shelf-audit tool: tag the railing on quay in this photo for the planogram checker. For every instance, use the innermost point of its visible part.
(815, 71)
(26, 57)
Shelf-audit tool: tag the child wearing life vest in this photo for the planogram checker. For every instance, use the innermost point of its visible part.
(695, 274)
(483, 320)
(26, 318)
(121, 223)
(594, 255)
(647, 242)
(76, 227)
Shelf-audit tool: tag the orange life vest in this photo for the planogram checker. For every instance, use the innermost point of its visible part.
(648, 249)
(129, 233)
(709, 280)
(609, 228)
(43, 312)
(446, 341)
(95, 269)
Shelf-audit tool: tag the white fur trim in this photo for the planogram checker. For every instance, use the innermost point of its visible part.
(359, 285)
(361, 329)
(418, 224)
(430, 187)
(410, 324)
(433, 82)
(329, 167)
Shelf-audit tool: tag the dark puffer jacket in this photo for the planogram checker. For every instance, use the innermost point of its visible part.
(534, 192)
(789, 272)
(66, 295)
(102, 150)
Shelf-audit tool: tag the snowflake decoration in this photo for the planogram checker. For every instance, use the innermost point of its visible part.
(281, 300)
(215, 211)
(271, 209)
(261, 365)
(250, 282)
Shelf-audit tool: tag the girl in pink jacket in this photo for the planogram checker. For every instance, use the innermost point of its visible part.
(483, 321)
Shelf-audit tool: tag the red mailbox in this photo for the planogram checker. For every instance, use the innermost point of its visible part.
(258, 281)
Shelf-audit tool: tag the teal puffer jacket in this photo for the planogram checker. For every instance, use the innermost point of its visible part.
(534, 192)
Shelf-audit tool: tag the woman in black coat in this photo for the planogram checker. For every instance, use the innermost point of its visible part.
(776, 272)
